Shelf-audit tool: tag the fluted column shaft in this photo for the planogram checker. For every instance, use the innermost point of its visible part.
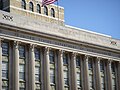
(31, 68)
(16, 66)
(109, 75)
(98, 75)
(73, 72)
(47, 69)
(60, 71)
(0, 65)
(86, 74)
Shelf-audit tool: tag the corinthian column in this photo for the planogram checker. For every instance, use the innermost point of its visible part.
(16, 66)
(109, 72)
(31, 68)
(98, 76)
(86, 73)
(73, 72)
(60, 71)
(47, 69)
(0, 65)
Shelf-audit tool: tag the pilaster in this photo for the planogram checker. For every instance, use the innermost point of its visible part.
(73, 72)
(86, 73)
(31, 68)
(16, 66)
(60, 70)
(47, 69)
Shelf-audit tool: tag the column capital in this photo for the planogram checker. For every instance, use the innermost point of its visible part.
(74, 54)
(87, 57)
(61, 51)
(32, 47)
(16, 43)
(109, 62)
(47, 50)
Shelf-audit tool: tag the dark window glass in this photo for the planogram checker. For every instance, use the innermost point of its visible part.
(113, 67)
(51, 56)
(101, 66)
(31, 7)
(90, 64)
(37, 73)
(38, 8)
(22, 72)
(52, 12)
(52, 76)
(65, 58)
(78, 61)
(5, 49)
(45, 10)
(22, 51)
(37, 54)
(5, 70)
(66, 79)
(23, 4)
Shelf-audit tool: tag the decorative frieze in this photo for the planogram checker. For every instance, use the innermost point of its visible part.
(55, 42)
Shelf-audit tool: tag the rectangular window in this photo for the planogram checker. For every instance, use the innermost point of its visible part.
(65, 58)
(66, 81)
(5, 65)
(78, 80)
(5, 70)
(22, 51)
(52, 76)
(5, 49)
(78, 61)
(37, 54)
(90, 64)
(22, 72)
(51, 56)
(101, 66)
(37, 74)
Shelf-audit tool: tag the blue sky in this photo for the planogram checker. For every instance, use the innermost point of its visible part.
(102, 16)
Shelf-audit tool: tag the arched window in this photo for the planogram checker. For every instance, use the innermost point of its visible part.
(38, 8)
(52, 12)
(31, 6)
(45, 10)
(23, 4)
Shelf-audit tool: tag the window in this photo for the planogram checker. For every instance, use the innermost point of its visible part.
(78, 80)
(113, 67)
(37, 73)
(38, 8)
(52, 76)
(31, 8)
(37, 54)
(65, 58)
(23, 4)
(5, 64)
(5, 49)
(45, 10)
(51, 56)
(5, 70)
(66, 81)
(52, 12)
(78, 61)
(22, 51)
(101, 66)
(21, 72)
(90, 64)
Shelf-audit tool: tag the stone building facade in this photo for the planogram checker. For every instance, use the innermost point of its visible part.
(39, 52)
